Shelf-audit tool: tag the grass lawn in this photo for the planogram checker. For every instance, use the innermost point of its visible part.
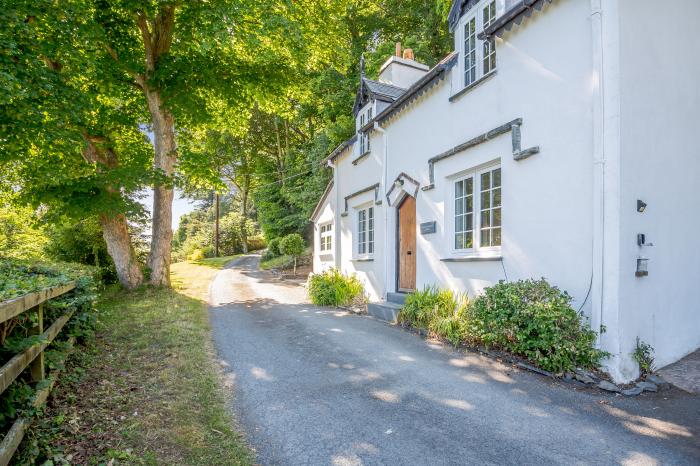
(147, 391)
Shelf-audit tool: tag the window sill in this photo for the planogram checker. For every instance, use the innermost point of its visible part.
(362, 259)
(476, 83)
(361, 158)
(495, 258)
(325, 256)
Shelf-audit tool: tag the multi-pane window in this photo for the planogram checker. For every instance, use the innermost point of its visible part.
(477, 210)
(365, 231)
(464, 213)
(470, 51)
(490, 234)
(365, 117)
(479, 56)
(326, 237)
(489, 46)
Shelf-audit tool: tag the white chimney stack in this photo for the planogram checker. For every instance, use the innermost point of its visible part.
(402, 70)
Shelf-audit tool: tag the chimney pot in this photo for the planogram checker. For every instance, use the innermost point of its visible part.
(408, 54)
(398, 49)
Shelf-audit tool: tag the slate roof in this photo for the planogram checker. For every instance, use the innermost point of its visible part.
(516, 10)
(514, 15)
(339, 150)
(437, 73)
(384, 90)
(458, 8)
(374, 89)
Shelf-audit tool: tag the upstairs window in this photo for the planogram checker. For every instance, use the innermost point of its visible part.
(479, 56)
(365, 231)
(470, 51)
(489, 46)
(326, 237)
(363, 137)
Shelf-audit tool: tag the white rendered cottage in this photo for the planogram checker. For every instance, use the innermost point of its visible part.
(559, 140)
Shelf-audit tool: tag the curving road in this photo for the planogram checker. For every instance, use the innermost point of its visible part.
(315, 386)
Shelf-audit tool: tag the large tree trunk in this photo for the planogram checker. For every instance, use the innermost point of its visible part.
(115, 231)
(165, 157)
(157, 37)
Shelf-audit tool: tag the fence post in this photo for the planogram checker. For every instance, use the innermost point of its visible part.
(37, 366)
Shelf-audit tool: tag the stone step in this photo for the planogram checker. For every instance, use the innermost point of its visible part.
(398, 298)
(385, 311)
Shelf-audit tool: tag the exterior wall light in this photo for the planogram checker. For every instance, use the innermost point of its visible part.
(642, 267)
(641, 205)
(398, 184)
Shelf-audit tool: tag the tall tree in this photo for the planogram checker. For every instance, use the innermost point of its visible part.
(180, 55)
(90, 73)
(68, 140)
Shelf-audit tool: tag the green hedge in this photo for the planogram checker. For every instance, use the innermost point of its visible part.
(19, 277)
(332, 288)
(273, 248)
(529, 318)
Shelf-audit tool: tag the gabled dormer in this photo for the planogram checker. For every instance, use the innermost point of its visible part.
(468, 19)
(396, 75)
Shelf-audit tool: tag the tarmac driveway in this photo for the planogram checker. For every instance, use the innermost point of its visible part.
(318, 386)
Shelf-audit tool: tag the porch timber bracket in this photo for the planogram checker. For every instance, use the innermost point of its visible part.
(374, 187)
(518, 153)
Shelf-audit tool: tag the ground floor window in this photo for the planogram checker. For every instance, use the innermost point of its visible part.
(365, 231)
(326, 237)
(477, 210)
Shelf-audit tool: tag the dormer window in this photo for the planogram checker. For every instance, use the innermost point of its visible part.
(362, 136)
(479, 56)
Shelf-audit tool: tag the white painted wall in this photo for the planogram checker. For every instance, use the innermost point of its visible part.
(324, 260)
(546, 198)
(660, 164)
(401, 72)
(351, 179)
(568, 212)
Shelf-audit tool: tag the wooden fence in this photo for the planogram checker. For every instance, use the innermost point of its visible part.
(32, 357)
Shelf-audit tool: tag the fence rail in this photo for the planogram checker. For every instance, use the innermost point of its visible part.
(32, 357)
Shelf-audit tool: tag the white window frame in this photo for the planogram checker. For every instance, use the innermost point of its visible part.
(325, 237)
(364, 241)
(364, 117)
(476, 14)
(490, 192)
(476, 249)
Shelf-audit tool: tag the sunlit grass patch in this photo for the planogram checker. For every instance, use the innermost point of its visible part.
(215, 262)
(149, 392)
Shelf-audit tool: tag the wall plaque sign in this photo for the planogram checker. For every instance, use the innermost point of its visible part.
(428, 228)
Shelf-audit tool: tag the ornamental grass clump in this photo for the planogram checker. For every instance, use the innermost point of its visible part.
(440, 311)
(332, 288)
(533, 319)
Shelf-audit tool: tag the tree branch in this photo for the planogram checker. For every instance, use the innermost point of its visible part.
(163, 30)
(142, 23)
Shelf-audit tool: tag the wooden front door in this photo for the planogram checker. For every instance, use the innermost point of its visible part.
(407, 244)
